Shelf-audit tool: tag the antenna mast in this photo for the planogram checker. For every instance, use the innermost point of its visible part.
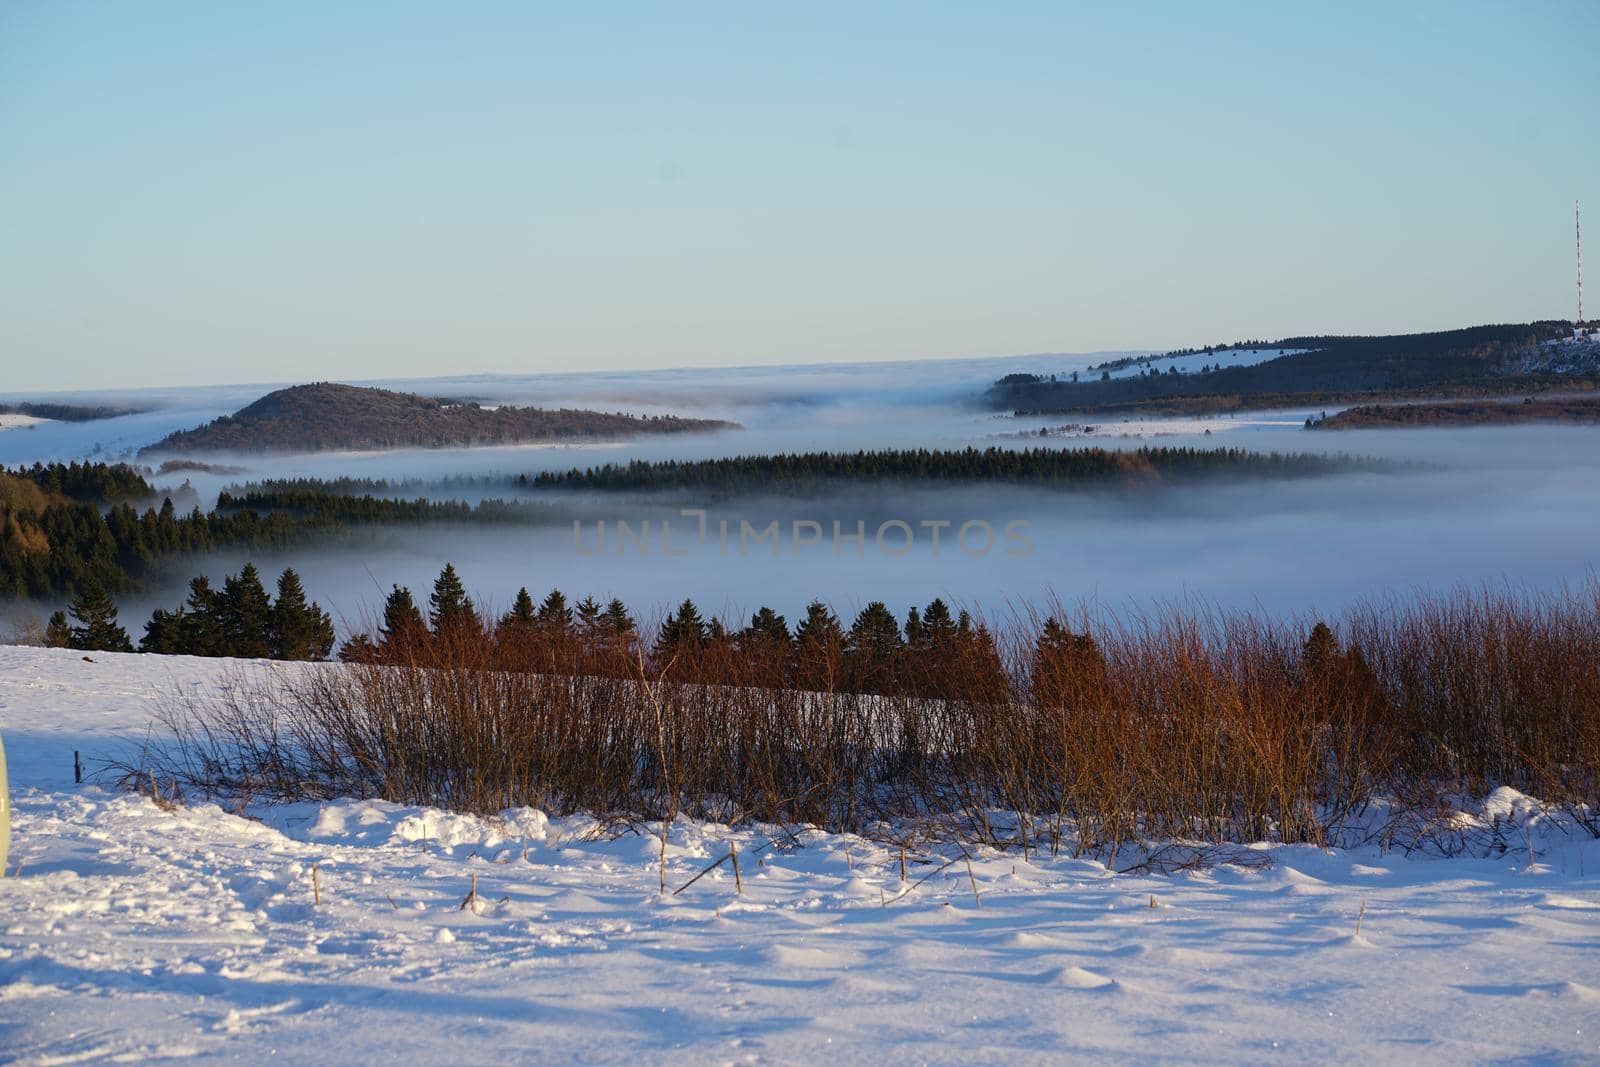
(1577, 230)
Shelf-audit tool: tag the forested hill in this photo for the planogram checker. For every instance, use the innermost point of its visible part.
(1482, 359)
(326, 417)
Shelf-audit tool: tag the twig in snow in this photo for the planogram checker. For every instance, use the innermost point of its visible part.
(938, 870)
(724, 858)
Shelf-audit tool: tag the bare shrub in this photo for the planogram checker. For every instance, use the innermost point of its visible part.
(1091, 733)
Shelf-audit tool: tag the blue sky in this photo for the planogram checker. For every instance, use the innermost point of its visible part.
(201, 192)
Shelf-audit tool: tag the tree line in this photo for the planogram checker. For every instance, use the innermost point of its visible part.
(240, 619)
(875, 652)
(935, 650)
(69, 528)
(800, 472)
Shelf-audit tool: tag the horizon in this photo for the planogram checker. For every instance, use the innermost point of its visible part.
(374, 192)
(620, 372)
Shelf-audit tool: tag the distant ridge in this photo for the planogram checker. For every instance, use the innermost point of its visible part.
(327, 417)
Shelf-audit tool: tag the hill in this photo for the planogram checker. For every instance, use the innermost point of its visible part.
(327, 417)
(1488, 412)
(1481, 360)
(67, 412)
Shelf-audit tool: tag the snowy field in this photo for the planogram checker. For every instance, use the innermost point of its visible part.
(14, 421)
(1129, 427)
(140, 934)
(1195, 362)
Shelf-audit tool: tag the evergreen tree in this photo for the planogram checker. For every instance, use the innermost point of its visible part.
(1067, 667)
(403, 631)
(244, 612)
(819, 630)
(163, 634)
(617, 625)
(684, 632)
(916, 633)
(1320, 650)
(522, 613)
(449, 606)
(588, 611)
(939, 626)
(554, 615)
(767, 629)
(57, 634)
(300, 631)
(97, 628)
(875, 633)
(200, 631)
(359, 648)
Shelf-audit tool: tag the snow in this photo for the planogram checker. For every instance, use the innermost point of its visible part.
(1194, 362)
(135, 932)
(19, 422)
(1160, 426)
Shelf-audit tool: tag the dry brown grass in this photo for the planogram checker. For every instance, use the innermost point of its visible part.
(1184, 725)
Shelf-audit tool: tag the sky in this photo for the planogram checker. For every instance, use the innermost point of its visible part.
(198, 193)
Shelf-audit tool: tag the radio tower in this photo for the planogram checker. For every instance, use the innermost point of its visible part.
(1577, 230)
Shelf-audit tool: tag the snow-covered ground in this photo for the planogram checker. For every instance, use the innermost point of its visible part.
(136, 933)
(14, 421)
(1564, 355)
(1160, 426)
(1194, 362)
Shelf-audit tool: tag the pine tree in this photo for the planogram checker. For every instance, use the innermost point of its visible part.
(57, 634)
(916, 633)
(684, 632)
(245, 613)
(554, 615)
(97, 629)
(200, 632)
(359, 648)
(163, 634)
(875, 633)
(522, 614)
(819, 631)
(1067, 667)
(588, 611)
(1320, 650)
(300, 631)
(617, 625)
(403, 632)
(449, 607)
(939, 626)
(873, 647)
(767, 629)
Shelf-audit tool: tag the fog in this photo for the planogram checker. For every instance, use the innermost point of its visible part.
(1512, 505)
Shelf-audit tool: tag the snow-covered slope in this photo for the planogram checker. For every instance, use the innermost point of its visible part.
(1193, 362)
(146, 934)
